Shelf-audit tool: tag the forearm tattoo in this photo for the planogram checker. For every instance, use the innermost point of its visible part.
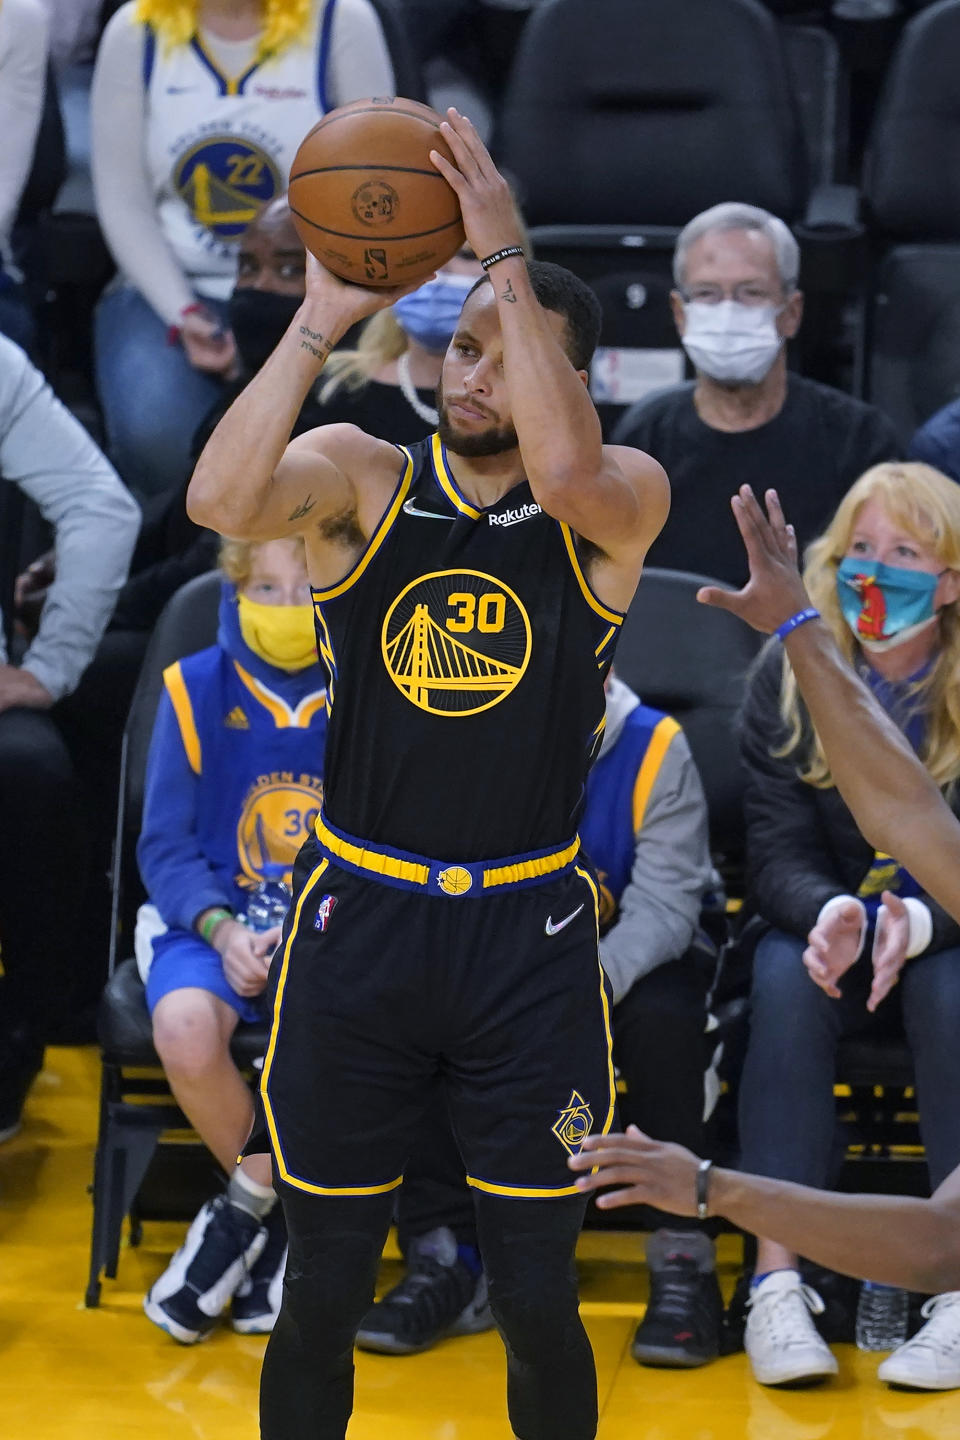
(318, 345)
(508, 295)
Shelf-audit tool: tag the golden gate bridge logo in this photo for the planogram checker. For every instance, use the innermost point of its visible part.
(456, 642)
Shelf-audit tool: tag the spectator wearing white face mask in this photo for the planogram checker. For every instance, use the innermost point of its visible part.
(746, 419)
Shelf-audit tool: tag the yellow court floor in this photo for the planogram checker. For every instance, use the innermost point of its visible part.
(67, 1373)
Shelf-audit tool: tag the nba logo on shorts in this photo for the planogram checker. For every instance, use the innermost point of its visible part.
(324, 911)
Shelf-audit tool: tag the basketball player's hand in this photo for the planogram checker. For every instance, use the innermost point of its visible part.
(348, 301)
(489, 213)
(650, 1172)
(890, 943)
(208, 346)
(21, 690)
(833, 945)
(775, 590)
(246, 955)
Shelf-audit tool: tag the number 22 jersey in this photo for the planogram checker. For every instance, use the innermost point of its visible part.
(466, 654)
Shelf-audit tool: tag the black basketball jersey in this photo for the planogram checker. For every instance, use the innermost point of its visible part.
(467, 655)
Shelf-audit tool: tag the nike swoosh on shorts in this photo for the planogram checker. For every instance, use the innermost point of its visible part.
(552, 929)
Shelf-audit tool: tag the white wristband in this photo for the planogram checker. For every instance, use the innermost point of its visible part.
(834, 904)
(921, 925)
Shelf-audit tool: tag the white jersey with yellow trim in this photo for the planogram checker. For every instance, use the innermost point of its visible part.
(220, 146)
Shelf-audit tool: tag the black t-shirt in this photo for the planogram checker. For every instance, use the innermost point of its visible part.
(811, 453)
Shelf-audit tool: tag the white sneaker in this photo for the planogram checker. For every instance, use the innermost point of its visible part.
(931, 1360)
(784, 1345)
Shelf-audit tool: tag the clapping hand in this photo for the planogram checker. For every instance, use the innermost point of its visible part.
(890, 943)
(833, 946)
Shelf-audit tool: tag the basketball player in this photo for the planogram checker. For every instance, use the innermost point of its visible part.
(894, 1240)
(469, 592)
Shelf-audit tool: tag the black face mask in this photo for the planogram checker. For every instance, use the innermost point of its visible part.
(258, 319)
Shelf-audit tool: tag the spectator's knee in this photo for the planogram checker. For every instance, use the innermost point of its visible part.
(188, 1036)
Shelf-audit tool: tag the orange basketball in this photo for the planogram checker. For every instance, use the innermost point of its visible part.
(365, 198)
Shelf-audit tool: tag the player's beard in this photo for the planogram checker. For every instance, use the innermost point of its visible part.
(495, 440)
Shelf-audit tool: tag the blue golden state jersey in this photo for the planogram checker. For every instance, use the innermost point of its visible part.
(618, 789)
(248, 794)
(467, 655)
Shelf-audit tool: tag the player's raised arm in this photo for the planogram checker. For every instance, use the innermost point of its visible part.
(250, 482)
(616, 497)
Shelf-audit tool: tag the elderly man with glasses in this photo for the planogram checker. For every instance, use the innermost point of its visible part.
(746, 417)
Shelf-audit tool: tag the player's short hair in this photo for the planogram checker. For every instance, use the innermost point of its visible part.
(559, 290)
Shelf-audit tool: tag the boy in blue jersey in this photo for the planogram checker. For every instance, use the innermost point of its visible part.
(645, 829)
(233, 786)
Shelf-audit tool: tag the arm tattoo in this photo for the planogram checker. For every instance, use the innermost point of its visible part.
(303, 509)
(321, 349)
(508, 295)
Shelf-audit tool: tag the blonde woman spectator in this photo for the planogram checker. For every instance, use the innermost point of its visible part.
(854, 941)
(198, 107)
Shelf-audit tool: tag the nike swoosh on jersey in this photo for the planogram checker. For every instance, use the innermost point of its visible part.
(552, 929)
(410, 509)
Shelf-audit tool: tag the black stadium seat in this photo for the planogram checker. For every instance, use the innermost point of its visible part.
(620, 112)
(692, 661)
(910, 344)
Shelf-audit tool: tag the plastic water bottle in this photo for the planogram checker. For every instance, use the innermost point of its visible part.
(881, 1316)
(270, 900)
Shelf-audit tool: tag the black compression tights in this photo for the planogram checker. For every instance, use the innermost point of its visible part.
(335, 1246)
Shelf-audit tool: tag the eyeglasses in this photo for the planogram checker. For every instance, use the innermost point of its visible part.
(746, 294)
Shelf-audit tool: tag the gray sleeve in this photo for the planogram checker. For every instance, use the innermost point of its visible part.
(49, 455)
(126, 206)
(23, 59)
(660, 906)
(360, 63)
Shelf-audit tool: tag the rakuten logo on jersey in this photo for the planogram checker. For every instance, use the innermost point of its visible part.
(513, 517)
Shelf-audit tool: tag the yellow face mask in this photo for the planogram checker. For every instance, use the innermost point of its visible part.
(283, 635)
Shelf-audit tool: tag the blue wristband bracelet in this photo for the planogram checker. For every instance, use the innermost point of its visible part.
(801, 618)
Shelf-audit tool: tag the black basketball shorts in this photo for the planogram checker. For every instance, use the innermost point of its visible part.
(380, 990)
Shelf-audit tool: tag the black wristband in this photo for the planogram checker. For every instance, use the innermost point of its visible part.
(504, 254)
(703, 1188)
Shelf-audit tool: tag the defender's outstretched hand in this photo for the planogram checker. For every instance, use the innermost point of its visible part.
(775, 590)
(652, 1172)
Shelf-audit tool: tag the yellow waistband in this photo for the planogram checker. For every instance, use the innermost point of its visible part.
(418, 871)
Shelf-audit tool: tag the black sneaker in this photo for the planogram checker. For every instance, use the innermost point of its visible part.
(256, 1303)
(439, 1296)
(682, 1325)
(221, 1245)
(20, 1065)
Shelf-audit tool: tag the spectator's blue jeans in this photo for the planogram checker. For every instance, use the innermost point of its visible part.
(152, 397)
(787, 1112)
